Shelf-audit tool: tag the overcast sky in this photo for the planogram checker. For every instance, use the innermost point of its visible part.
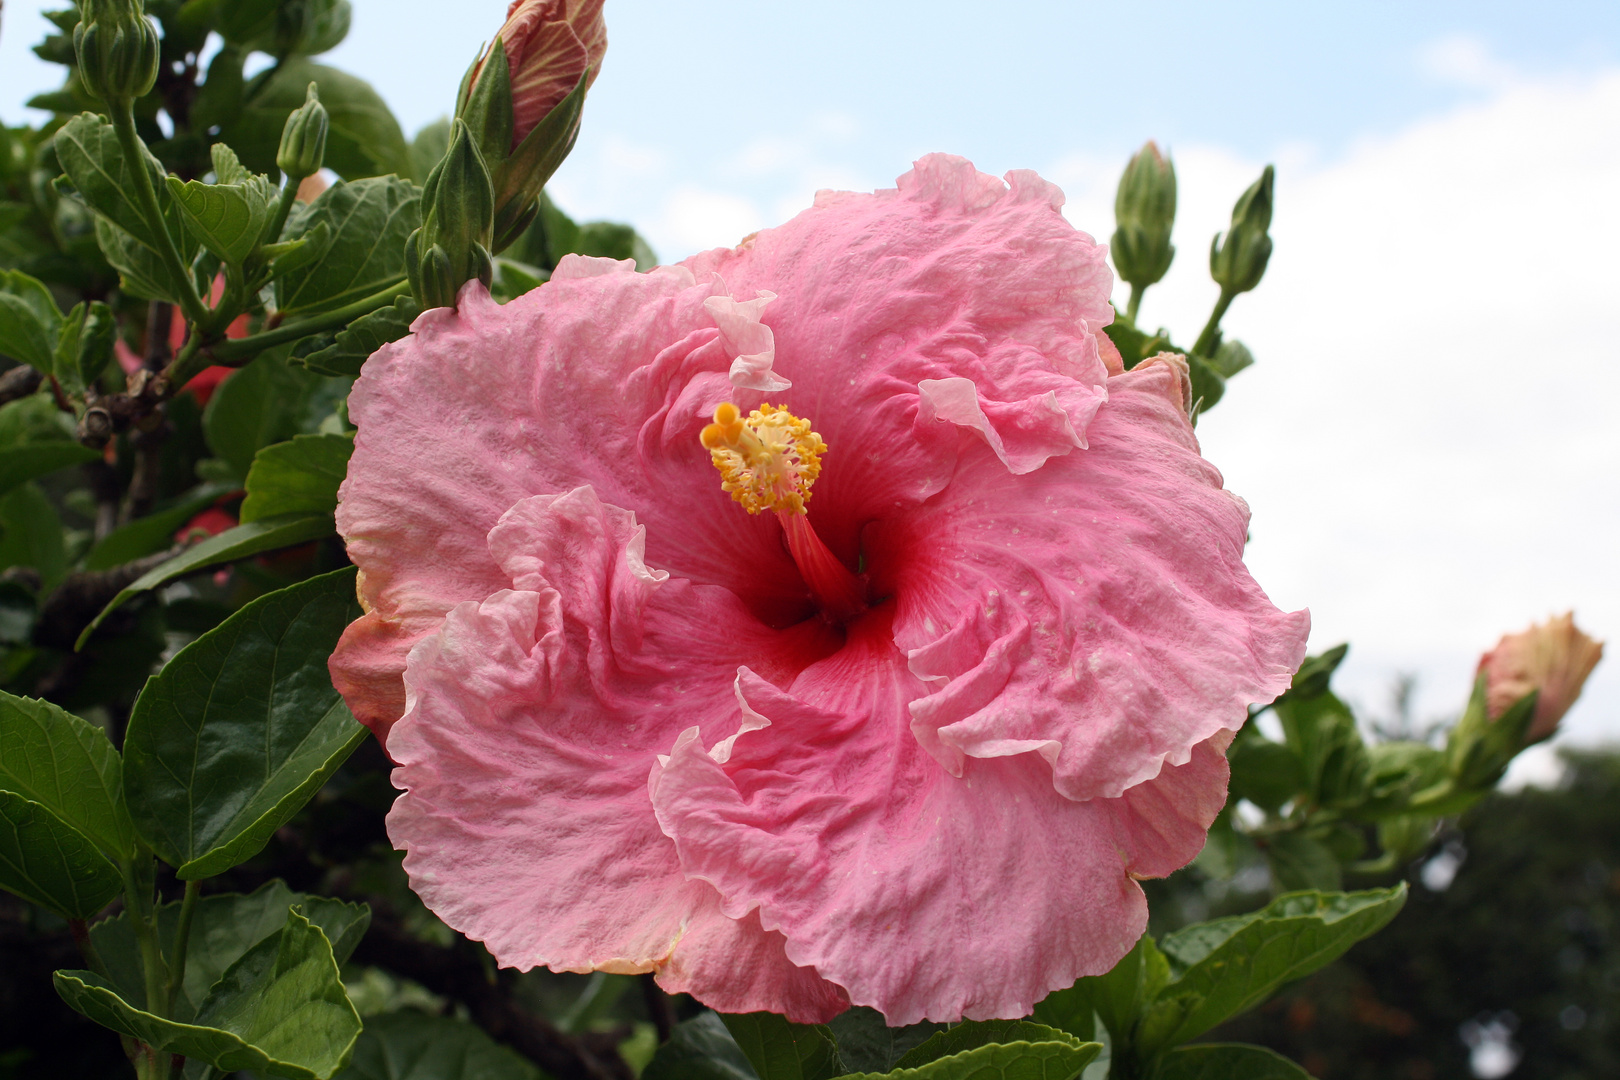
(1427, 439)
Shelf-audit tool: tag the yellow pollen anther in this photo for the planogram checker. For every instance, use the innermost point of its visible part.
(767, 460)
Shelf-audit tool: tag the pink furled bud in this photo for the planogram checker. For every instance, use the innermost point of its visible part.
(1553, 657)
(549, 45)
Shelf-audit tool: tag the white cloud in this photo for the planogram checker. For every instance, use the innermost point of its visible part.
(1427, 439)
(696, 219)
(1465, 61)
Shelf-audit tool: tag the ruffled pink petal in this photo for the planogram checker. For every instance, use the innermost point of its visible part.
(533, 718)
(924, 895)
(953, 275)
(604, 376)
(1096, 611)
(737, 966)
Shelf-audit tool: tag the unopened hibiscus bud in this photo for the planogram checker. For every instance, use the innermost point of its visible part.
(452, 246)
(1238, 263)
(522, 100)
(303, 139)
(117, 49)
(1550, 659)
(1144, 211)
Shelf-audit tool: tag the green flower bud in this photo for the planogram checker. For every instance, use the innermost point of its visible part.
(117, 49)
(303, 139)
(1238, 264)
(1144, 211)
(458, 218)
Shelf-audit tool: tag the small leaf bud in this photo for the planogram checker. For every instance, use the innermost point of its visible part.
(303, 139)
(1238, 264)
(1144, 211)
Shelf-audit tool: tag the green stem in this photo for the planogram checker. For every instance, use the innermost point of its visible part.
(1206, 340)
(182, 938)
(138, 901)
(238, 352)
(135, 156)
(1135, 302)
(289, 195)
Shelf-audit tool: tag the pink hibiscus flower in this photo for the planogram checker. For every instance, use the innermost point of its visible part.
(911, 749)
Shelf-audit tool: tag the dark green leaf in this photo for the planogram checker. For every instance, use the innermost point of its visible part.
(1268, 774)
(20, 463)
(369, 221)
(780, 1050)
(1229, 966)
(1069, 1010)
(29, 320)
(85, 346)
(1121, 995)
(280, 1009)
(297, 477)
(1226, 1061)
(353, 346)
(972, 1034)
(33, 534)
(223, 927)
(867, 1044)
(1322, 731)
(1208, 387)
(67, 765)
(1299, 861)
(1136, 345)
(241, 728)
(230, 545)
(149, 534)
(363, 138)
(258, 406)
(1060, 1058)
(1315, 673)
(48, 862)
(611, 240)
(700, 1049)
(416, 1046)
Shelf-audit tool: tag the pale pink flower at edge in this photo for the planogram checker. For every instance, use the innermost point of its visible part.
(629, 743)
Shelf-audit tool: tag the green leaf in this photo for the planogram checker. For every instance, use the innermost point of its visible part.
(141, 272)
(228, 218)
(700, 1049)
(369, 221)
(87, 148)
(223, 928)
(867, 1044)
(48, 862)
(67, 765)
(241, 728)
(258, 406)
(257, 538)
(84, 345)
(1226, 1061)
(1121, 996)
(279, 1009)
(972, 1034)
(33, 534)
(1060, 1058)
(410, 1045)
(22, 463)
(1268, 774)
(780, 1050)
(1231, 358)
(363, 138)
(1322, 731)
(428, 147)
(149, 534)
(29, 320)
(1314, 675)
(1300, 861)
(297, 477)
(1228, 966)
(351, 347)
(1068, 1010)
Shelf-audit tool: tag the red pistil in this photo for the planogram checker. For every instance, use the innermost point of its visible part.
(838, 593)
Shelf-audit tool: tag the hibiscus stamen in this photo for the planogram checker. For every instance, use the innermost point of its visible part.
(767, 461)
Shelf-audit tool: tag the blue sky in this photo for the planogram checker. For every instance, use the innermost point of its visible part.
(1427, 439)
